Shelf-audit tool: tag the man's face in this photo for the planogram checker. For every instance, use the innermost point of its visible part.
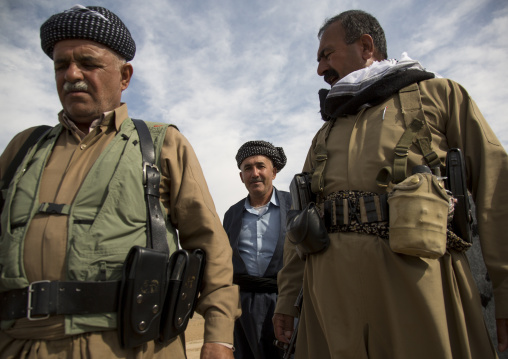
(90, 79)
(257, 175)
(337, 59)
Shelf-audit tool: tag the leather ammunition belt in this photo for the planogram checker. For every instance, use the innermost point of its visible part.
(367, 213)
(356, 211)
(249, 283)
(45, 298)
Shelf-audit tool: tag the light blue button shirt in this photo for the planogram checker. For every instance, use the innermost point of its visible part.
(259, 235)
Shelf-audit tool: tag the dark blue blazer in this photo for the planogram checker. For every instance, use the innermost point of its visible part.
(233, 223)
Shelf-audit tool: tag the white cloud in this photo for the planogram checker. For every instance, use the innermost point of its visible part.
(226, 72)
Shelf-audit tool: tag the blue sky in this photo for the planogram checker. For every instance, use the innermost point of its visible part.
(229, 71)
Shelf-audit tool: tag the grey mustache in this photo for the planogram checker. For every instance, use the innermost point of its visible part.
(76, 86)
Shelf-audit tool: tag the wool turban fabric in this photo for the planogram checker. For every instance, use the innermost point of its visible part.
(256, 148)
(93, 23)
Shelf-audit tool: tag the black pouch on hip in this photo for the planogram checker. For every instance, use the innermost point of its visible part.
(307, 231)
(142, 294)
(186, 272)
(300, 189)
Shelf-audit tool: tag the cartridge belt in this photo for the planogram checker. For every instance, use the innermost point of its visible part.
(45, 298)
(356, 211)
(367, 213)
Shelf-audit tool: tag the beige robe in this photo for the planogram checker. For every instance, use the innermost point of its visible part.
(362, 300)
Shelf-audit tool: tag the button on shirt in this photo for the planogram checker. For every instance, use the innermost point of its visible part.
(259, 235)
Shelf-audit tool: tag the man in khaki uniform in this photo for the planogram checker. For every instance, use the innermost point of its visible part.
(360, 298)
(107, 216)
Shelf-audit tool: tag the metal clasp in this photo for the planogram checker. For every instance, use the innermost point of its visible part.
(145, 174)
(401, 151)
(29, 301)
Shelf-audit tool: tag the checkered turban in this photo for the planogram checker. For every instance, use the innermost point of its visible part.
(255, 148)
(93, 23)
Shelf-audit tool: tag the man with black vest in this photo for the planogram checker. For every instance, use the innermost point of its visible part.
(76, 206)
(256, 227)
(391, 278)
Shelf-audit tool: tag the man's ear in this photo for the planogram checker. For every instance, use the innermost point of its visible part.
(367, 44)
(126, 72)
(241, 177)
(274, 173)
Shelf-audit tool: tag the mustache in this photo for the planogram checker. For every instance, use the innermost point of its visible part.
(76, 86)
(329, 75)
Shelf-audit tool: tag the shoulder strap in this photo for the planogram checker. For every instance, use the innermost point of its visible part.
(29, 142)
(317, 181)
(32, 139)
(155, 224)
(417, 131)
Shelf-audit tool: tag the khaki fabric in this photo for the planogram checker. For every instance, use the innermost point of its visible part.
(184, 194)
(98, 345)
(361, 300)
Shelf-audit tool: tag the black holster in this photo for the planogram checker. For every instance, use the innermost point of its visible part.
(305, 227)
(142, 295)
(307, 231)
(158, 294)
(185, 280)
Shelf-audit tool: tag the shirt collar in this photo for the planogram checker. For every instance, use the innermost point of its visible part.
(273, 200)
(110, 118)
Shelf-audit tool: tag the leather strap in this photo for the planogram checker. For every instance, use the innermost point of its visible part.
(156, 225)
(32, 139)
(45, 298)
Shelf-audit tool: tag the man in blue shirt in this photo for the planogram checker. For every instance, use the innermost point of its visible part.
(256, 227)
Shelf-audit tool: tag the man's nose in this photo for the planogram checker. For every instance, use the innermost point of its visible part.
(73, 73)
(322, 68)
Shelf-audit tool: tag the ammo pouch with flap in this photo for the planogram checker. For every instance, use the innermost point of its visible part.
(158, 293)
(185, 273)
(142, 295)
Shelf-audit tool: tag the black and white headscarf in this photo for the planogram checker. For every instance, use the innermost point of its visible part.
(256, 148)
(93, 23)
(371, 85)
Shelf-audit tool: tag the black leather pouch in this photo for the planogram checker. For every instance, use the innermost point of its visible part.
(142, 295)
(301, 193)
(307, 231)
(186, 272)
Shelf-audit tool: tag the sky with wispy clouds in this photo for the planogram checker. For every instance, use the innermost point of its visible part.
(230, 71)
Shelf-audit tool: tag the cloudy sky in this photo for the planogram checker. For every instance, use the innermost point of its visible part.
(229, 71)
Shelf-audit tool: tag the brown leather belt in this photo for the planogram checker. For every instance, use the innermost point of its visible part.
(45, 298)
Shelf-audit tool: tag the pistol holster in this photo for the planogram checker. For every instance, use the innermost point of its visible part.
(142, 295)
(307, 231)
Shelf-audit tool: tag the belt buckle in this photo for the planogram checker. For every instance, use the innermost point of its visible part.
(145, 172)
(29, 302)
